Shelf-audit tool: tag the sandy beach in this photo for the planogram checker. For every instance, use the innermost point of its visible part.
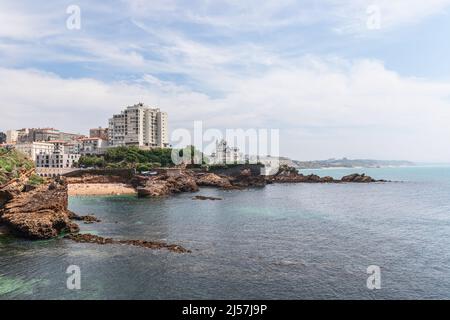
(98, 189)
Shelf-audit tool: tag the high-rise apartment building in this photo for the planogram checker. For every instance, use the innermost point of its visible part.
(139, 125)
(101, 133)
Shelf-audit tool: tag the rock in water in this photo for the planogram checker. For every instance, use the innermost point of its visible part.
(213, 180)
(87, 218)
(355, 177)
(164, 185)
(205, 198)
(40, 213)
(90, 238)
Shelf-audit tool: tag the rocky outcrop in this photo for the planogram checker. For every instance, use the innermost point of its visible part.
(15, 186)
(165, 185)
(291, 175)
(87, 219)
(90, 238)
(300, 178)
(359, 178)
(39, 213)
(246, 180)
(213, 180)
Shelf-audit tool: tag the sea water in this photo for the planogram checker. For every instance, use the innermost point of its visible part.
(284, 241)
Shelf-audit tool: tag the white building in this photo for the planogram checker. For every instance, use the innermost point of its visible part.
(92, 146)
(56, 160)
(35, 148)
(53, 154)
(139, 125)
(225, 154)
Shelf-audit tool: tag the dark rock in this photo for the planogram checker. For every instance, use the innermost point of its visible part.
(205, 198)
(87, 218)
(357, 178)
(28, 188)
(90, 238)
(291, 175)
(327, 179)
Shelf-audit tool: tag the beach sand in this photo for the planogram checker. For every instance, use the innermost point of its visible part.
(99, 189)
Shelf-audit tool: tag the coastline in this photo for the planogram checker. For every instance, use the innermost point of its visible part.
(100, 189)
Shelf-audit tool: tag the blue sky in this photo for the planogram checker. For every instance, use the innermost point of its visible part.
(312, 69)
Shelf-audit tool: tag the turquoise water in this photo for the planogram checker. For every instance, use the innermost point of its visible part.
(301, 241)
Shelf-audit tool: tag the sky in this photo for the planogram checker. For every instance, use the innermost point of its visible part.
(338, 78)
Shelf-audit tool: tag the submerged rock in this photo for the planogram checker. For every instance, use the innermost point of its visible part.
(205, 198)
(90, 238)
(86, 219)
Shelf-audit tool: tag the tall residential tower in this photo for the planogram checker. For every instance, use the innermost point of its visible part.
(139, 125)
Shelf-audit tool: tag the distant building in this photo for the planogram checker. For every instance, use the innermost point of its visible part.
(101, 133)
(56, 160)
(2, 137)
(13, 136)
(47, 134)
(68, 137)
(139, 125)
(74, 146)
(92, 146)
(225, 154)
(40, 134)
(35, 148)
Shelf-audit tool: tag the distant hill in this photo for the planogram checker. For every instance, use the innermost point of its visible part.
(349, 163)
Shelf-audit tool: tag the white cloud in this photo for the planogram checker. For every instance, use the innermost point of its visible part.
(324, 109)
(347, 16)
(352, 15)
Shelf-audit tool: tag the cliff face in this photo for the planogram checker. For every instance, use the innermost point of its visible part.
(37, 212)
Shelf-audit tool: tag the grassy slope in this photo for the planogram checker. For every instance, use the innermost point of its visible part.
(12, 163)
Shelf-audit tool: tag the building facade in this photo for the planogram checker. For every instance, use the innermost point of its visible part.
(101, 133)
(56, 160)
(51, 154)
(33, 149)
(139, 125)
(225, 154)
(92, 146)
(49, 134)
(15, 136)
